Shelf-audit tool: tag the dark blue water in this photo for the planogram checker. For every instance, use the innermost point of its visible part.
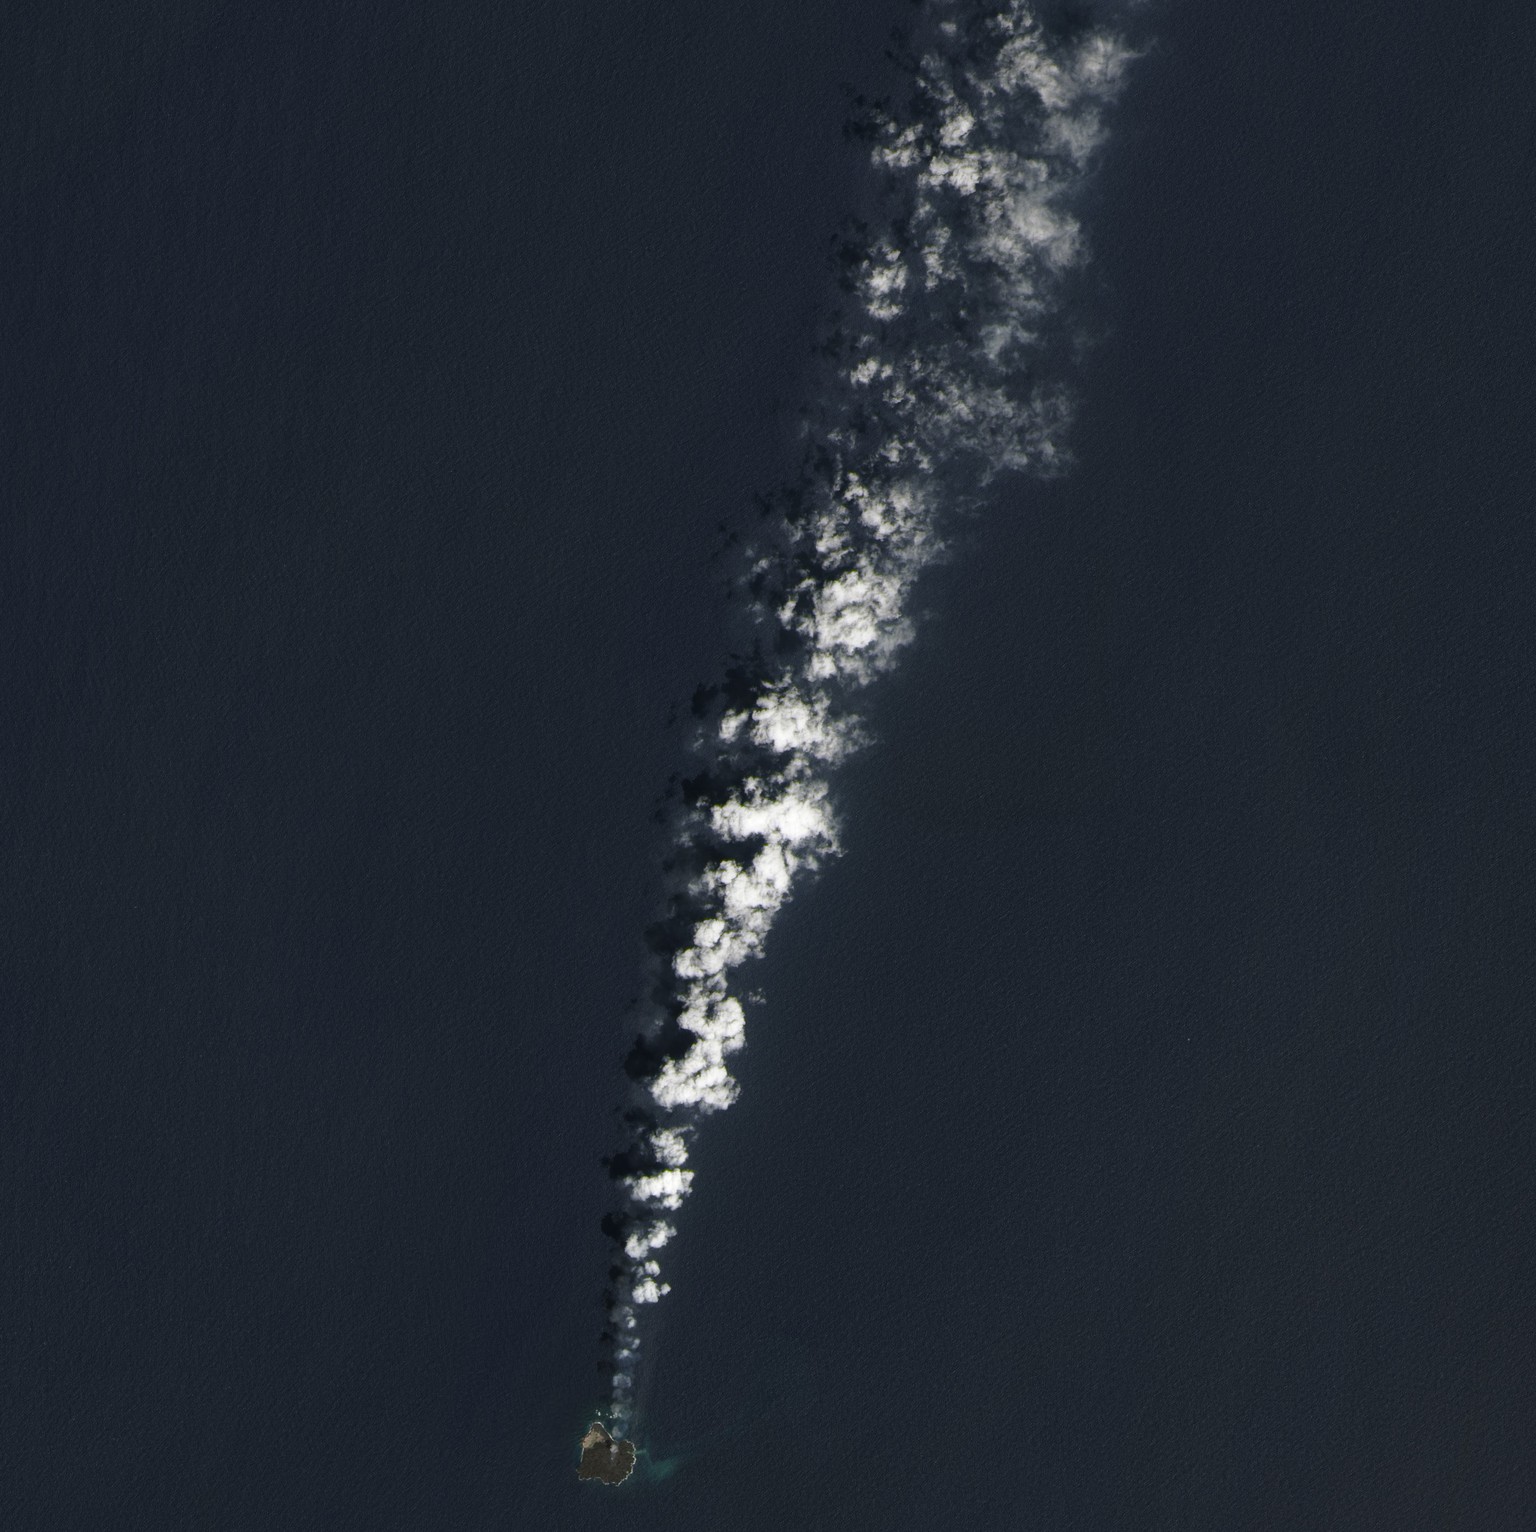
(1138, 1129)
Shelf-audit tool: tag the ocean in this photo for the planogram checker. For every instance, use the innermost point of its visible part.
(1135, 1122)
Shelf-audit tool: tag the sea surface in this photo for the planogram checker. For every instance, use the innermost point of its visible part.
(1136, 1127)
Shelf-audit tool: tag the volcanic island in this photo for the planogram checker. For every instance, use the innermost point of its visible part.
(604, 1459)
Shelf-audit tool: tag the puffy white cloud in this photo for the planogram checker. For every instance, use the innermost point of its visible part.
(646, 1286)
(652, 1236)
(665, 1188)
(669, 1146)
(950, 299)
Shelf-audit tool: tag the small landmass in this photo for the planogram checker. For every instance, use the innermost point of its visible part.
(604, 1458)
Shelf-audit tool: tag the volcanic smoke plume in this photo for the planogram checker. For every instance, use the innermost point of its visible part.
(937, 378)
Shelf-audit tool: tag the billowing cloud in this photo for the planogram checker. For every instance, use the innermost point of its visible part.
(936, 390)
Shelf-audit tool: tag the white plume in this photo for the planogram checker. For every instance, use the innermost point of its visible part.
(934, 389)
